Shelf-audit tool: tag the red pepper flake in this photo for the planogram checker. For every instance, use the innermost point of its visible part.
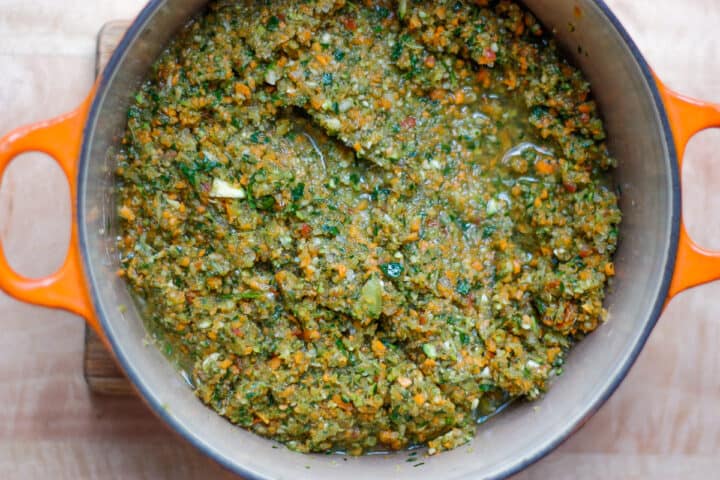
(577, 11)
(305, 230)
(570, 187)
(349, 23)
(408, 123)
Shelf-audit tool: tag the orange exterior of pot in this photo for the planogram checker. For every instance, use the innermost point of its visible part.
(694, 265)
(61, 138)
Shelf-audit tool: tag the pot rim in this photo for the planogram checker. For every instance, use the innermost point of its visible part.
(146, 391)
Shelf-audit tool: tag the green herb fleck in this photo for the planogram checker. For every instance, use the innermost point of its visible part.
(298, 192)
(392, 269)
(331, 230)
(462, 287)
(273, 23)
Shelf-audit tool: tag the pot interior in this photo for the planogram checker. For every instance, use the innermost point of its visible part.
(648, 179)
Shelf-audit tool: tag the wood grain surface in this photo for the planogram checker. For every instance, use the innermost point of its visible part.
(662, 423)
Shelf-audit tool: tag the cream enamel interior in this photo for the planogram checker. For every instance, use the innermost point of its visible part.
(523, 432)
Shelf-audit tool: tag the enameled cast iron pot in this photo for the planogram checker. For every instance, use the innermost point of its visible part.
(648, 128)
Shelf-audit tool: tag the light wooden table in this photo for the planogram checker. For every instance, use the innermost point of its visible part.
(662, 423)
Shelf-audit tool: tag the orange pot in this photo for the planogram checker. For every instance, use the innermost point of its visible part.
(649, 127)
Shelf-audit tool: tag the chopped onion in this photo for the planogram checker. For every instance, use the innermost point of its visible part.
(222, 189)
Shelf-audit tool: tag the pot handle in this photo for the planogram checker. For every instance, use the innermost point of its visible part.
(694, 265)
(61, 138)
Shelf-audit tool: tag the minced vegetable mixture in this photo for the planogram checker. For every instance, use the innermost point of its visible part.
(365, 226)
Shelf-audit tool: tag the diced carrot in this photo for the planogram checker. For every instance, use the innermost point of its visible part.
(311, 335)
(544, 167)
(610, 269)
(341, 403)
(317, 102)
(126, 213)
(437, 94)
(341, 269)
(242, 89)
(585, 108)
(378, 348)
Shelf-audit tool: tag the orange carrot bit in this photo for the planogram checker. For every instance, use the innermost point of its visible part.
(377, 347)
(342, 403)
(126, 213)
(437, 94)
(323, 60)
(586, 107)
(610, 269)
(311, 335)
(544, 167)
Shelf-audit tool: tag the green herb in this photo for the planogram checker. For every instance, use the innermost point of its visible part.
(462, 287)
(188, 172)
(540, 306)
(249, 295)
(529, 154)
(488, 230)
(341, 346)
(392, 269)
(298, 192)
(273, 23)
(266, 203)
(397, 51)
(382, 12)
(331, 230)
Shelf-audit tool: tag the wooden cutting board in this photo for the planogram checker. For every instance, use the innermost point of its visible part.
(102, 374)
